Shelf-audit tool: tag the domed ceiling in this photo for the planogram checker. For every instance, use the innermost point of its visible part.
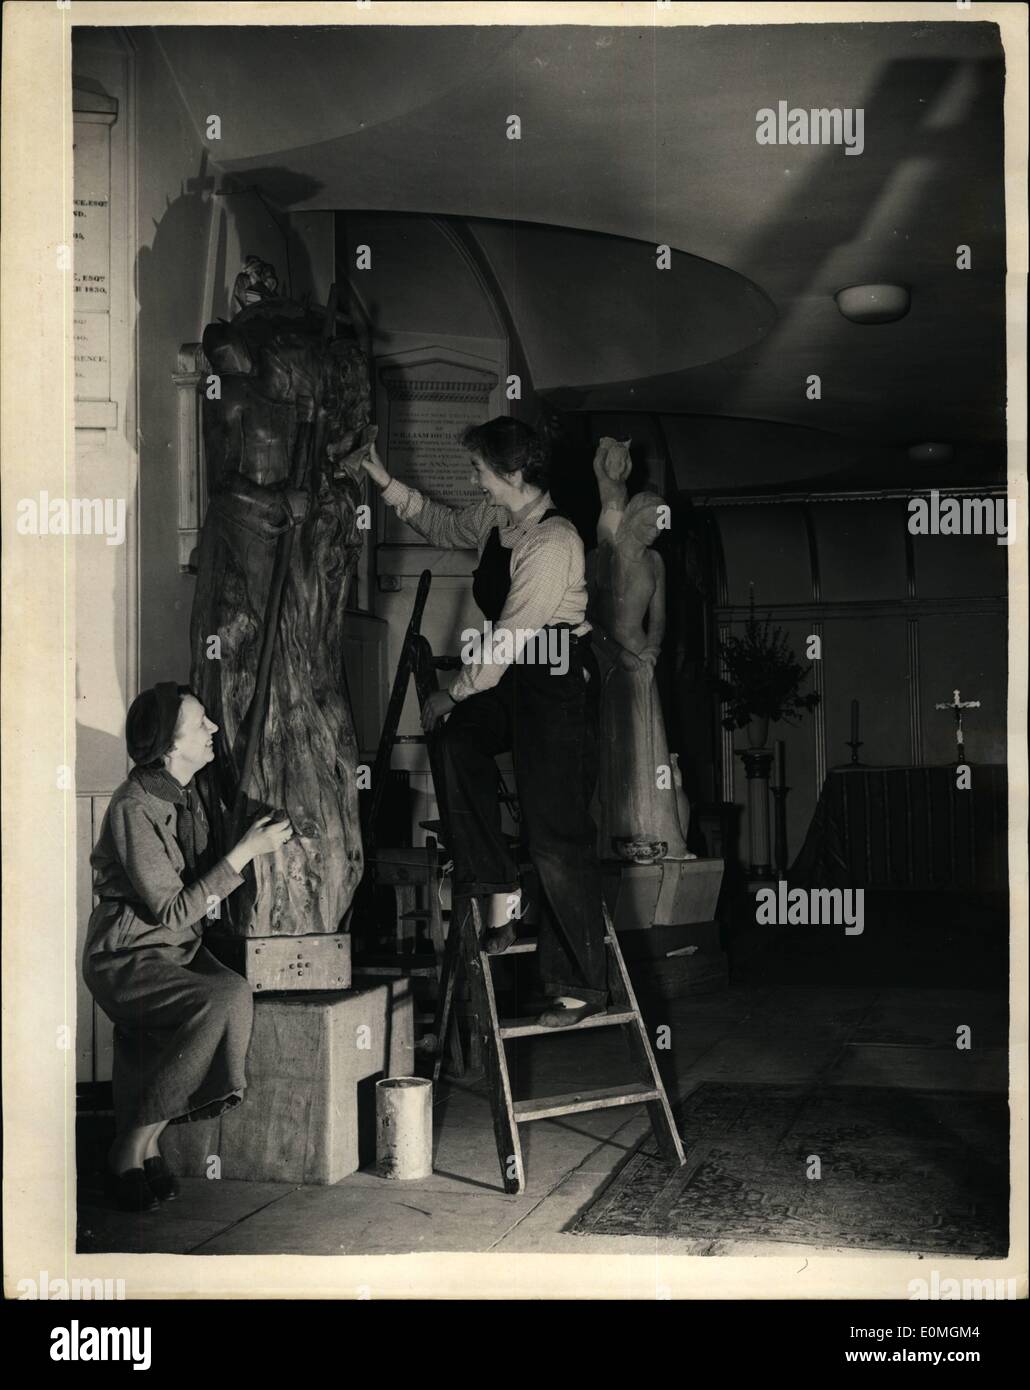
(648, 136)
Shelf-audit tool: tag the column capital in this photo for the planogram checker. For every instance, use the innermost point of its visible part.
(757, 762)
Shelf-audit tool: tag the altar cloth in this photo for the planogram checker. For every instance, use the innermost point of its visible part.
(908, 828)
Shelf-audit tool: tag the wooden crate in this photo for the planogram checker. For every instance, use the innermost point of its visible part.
(286, 963)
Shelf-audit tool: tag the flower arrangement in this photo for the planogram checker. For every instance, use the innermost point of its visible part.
(763, 676)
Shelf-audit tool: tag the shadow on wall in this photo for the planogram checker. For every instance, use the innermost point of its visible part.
(183, 280)
(172, 286)
(948, 110)
(937, 152)
(96, 750)
(259, 225)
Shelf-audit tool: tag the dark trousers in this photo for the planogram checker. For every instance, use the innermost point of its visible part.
(549, 722)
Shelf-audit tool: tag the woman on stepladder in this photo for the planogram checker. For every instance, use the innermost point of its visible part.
(543, 708)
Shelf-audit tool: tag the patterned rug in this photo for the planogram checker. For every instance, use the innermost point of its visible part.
(916, 1171)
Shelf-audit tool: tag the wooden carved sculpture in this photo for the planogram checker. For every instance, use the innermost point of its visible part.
(291, 398)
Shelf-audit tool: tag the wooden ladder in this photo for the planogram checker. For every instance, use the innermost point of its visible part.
(623, 1012)
(407, 869)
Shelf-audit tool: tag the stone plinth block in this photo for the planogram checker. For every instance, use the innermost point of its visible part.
(672, 892)
(309, 1115)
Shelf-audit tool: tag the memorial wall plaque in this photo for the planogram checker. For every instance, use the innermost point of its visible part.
(92, 337)
(91, 240)
(429, 405)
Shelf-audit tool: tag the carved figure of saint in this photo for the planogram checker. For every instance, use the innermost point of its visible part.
(288, 397)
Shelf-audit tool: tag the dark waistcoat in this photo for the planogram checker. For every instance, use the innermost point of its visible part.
(491, 579)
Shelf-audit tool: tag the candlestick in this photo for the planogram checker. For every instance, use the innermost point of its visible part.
(780, 829)
(779, 775)
(757, 762)
(854, 722)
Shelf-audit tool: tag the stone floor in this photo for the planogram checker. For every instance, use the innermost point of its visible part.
(863, 1036)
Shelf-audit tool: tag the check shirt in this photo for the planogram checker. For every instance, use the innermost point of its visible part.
(548, 575)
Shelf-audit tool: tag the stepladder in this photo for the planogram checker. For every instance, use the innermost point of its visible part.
(411, 873)
(623, 1012)
(415, 873)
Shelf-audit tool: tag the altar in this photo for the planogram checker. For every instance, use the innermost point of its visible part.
(900, 828)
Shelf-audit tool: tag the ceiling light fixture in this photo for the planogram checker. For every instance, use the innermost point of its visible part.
(931, 453)
(874, 303)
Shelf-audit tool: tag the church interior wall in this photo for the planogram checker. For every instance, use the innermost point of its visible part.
(193, 232)
(894, 612)
(184, 245)
(899, 624)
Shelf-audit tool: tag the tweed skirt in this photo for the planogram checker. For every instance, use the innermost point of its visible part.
(182, 1029)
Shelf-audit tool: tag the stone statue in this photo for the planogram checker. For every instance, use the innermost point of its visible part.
(640, 792)
(293, 403)
(612, 466)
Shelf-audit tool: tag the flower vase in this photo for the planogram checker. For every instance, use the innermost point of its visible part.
(758, 730)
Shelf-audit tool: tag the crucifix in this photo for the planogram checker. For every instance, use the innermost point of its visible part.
(958, 706)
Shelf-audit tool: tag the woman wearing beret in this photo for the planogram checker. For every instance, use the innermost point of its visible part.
(530, 579)
(182, 1020)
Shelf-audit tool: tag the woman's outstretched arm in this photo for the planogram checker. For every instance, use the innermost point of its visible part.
(451, 528)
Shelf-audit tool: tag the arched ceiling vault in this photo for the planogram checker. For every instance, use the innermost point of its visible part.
(648, 136)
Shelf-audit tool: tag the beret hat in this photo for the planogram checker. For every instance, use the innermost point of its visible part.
(150, 726)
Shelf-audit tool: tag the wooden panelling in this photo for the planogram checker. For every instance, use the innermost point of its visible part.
(94, 1032)
(866, 659)
(898, 648)
(861, 548)
(959, 566)
(767, 547)
(84, 1023)
(103, 1028)
(967, 652)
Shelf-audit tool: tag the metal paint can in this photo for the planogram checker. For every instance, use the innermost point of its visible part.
(404, 1127)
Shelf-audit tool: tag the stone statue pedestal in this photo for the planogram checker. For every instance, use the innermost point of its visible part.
(672, 892)
(664, 914)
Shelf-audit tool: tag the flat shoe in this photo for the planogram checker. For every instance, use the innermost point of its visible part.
(498, 939)
(130, 1190)
(160, 1178)
(558, 1016)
